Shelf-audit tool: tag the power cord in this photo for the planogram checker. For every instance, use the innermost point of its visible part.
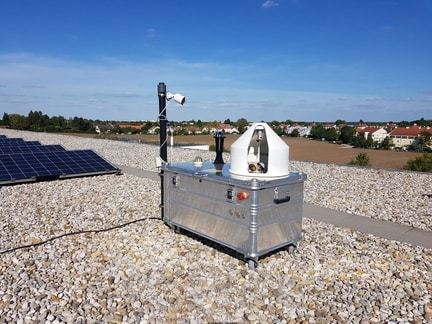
(76, 233)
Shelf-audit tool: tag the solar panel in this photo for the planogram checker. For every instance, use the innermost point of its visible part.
(12, 139)
(23, 167)
(30, 149)
(22, 144)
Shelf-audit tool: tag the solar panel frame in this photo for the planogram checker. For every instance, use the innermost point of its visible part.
(12, 139)
(27, 149)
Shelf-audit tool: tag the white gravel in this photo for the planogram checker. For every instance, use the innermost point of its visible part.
(145, 272)
(387, 195)
(394, 196)
(46, 209)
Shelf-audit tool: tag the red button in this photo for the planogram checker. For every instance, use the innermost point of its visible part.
(242, 195)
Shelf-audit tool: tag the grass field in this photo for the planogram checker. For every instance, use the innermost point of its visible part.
(301, 149)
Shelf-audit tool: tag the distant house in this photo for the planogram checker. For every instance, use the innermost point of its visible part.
(227, 128)
(390, 126)
(104, 128)
(328, 126)
(153, 130)
(302, 130)
(378, 134)
(190, 130)
(403, 137)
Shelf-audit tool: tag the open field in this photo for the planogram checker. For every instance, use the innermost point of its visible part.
(301, 149)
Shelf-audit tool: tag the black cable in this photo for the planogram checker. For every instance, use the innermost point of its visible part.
(76, 233)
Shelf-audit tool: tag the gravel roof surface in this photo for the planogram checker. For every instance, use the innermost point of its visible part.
(395, 196)
(146, 272)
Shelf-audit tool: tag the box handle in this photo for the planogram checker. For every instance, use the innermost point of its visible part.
(175, 181)
(281, 200)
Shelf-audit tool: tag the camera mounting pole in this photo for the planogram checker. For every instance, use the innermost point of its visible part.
(162, 137)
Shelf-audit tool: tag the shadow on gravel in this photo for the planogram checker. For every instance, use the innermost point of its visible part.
(221, 248)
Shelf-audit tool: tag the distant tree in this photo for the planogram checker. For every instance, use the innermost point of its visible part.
(318, 132)
(227, 121)
(17, 121)
(386, 144)
(80, 124)
(295, 133)
(359, 141)
(37, 121)
(242, 124)
(340, 122)
(404, 123)
(362, 159)
(421, 122)
(57, 123)
(199, 123)
(147, 126)
(331, 135)
(422, 163)
(33, 119)
(422, 143)
(180, 131)
(278, 130)
(5, 119)
(369, 140)
(347, 134)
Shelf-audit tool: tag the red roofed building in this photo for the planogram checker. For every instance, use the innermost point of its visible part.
(137, 126)
(405, 136)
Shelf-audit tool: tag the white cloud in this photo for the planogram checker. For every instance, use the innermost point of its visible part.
(118, 89)
(269, 4)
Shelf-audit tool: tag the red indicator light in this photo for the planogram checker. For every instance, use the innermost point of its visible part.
(242, 195)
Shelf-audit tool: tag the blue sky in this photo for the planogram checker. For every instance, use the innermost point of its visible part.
(258, 59)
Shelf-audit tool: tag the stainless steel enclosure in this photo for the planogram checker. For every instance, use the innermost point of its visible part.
(252, 217)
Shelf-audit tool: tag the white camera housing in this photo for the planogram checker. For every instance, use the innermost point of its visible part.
(178, 97)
